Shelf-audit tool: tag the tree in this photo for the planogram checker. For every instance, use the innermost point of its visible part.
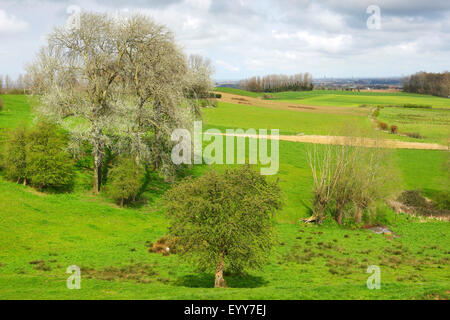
(201, 71)
(437, 84)
(154, 74)
(376, 179)
(224, 220)
(354, 173)
(75, 76)
(1, 84)
(122, 80)
(15, 155)
(8, 83)
(48, 163)
(125, 180)
(328, 166)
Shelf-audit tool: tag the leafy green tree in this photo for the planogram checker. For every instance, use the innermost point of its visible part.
(125, 180)
(15, 155)
(224, 220)
(48, 163)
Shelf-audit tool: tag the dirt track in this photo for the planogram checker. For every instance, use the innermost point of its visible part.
(275, 104)
(339, 140)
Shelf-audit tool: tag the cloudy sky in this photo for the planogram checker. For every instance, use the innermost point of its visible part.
(255, 37)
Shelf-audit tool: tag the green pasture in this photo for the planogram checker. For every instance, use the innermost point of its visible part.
(41, 234)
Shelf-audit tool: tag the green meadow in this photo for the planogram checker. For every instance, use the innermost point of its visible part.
(228, 115)
(337, 98)
(41, 234)
(432, 124)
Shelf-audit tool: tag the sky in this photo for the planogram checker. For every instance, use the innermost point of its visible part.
(243, 38)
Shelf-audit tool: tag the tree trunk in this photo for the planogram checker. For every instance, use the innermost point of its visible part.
(156, 146)
(98, 162)
(358, 214)
(339, 216)
(25, 181)
(121, 203)
(220, 281)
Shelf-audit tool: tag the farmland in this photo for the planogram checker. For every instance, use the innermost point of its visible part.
(43, 233)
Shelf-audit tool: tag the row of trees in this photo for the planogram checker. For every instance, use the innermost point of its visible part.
(278, 83)
(349, 179)
(437, 84)
(9, 85)
(118, 84)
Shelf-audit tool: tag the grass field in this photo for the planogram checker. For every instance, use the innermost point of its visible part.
(228, 115)
(347, 98)
(53, 231)
(432, 124)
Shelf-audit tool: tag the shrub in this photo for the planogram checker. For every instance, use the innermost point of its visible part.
(2, 104)
(224, 220)
(414, 135)
(383, 125)
(394, 129)
(376, 113)
(218, 96)
(48, 163)
(14, 154)
(125, 180)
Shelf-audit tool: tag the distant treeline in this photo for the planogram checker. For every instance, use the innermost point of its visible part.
(278, 83)
(10, 86)
(437, 84)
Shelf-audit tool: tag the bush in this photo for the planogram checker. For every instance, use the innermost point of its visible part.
(414, 135)
(218, 96)
(14, 154)
(38, 156)
(383, 125)
(48, 163)
(2, 104)
(125, 180)
(224, 220)
(394, 129)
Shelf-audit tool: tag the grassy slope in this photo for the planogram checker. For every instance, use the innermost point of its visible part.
(239, 92)
(15, 111)
(433, 124)
(229, 115)
(310, 262)
(346, 98)
(353, 99)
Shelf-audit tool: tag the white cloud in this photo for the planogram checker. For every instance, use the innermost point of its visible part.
(227, 66)
(10, 24)
(246, 38)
